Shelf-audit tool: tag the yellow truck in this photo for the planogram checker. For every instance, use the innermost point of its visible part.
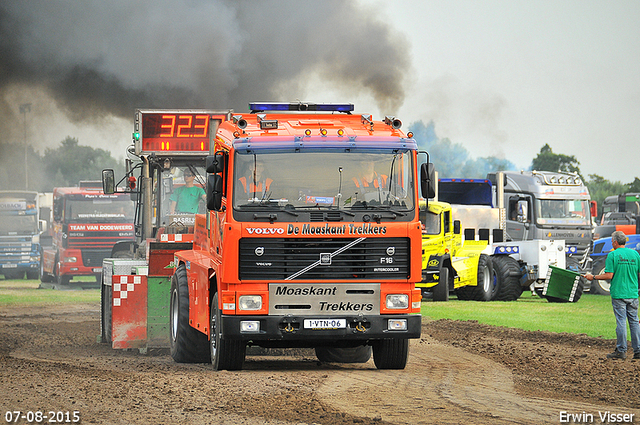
(467, 250)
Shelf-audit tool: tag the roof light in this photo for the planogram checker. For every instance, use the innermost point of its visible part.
(300, 106)
(307, 132)
(410, 135)
(341, 132)
(323, 131)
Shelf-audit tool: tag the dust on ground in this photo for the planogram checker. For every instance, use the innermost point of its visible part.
(458, 372)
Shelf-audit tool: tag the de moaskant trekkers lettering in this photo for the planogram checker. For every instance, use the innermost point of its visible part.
(325, 229)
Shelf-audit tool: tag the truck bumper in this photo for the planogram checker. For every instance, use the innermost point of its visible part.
(291, 329)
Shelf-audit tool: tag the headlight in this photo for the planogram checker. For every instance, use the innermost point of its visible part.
(70, 259)
(250, 302)
(397, 301)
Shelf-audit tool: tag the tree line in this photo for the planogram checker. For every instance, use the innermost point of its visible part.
(453, 160)
(70, 162)
(63, 166)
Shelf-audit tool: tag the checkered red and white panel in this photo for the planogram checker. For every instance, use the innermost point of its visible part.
(123, 287)
(178, 237)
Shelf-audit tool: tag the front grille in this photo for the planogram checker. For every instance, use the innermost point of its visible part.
(94, 257)
(321, 259)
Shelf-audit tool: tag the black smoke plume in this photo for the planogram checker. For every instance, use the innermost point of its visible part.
(99, 58)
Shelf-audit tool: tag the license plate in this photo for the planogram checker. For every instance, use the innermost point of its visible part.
(97, 269)
(325, 323)
(10, 266)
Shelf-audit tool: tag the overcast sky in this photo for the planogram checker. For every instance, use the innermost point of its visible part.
(503, 78)
(500, 78)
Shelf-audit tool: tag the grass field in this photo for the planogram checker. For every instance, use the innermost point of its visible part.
(591, 315)
(26, 292)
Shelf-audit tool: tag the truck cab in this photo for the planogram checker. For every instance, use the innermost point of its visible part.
(311, 239)
(543, 205)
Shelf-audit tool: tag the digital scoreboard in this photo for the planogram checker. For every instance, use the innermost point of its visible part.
(175, 132)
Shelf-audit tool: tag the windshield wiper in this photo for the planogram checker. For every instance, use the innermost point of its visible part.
(366, 205)
(270, 216)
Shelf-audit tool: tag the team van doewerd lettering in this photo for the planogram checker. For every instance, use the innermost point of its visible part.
(326, 229)
(312, 291)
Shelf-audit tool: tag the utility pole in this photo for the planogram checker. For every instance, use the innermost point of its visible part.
(24, 108)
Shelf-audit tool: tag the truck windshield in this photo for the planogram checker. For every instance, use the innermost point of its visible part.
(562, 211)
(431, 222)
(346, 181)
(13, 224)
(183, 194)
(115, 209)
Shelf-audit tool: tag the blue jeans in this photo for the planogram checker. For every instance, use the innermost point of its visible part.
(626, 309)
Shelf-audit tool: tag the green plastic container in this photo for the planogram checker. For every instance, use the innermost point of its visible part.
(562, 285)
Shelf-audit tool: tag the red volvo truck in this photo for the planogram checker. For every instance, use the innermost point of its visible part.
(86, 225)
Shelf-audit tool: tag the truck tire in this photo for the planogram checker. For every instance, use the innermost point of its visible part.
(487, 288)
(106, 314)
(360, 354)
(441, 290)
(390, 353)
(60, 280)
(44, 276)
(188, 345)
(226, 354)
(600, 287)
(507, 271)
(13, 274)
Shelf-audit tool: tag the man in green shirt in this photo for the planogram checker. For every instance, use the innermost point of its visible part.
(623, 269)
(185, 199)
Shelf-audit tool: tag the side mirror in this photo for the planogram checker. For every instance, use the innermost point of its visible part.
(108, 182)
(523, 211)
(456, 227)
(427, 180)
(593, 207)
(214, 192)
(215, 163)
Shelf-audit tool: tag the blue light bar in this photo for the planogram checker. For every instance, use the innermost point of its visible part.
(300, 106)
(571, 249)
(506, 250)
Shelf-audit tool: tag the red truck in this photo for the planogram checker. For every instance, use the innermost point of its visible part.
(86, 225)
(298, 247)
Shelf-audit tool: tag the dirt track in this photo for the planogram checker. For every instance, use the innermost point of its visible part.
(459, 372)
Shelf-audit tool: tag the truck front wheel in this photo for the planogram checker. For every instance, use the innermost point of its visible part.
(391, 353)
(225, 353)
(487, 287)
(44, 276)
(188, 345)
(441, 290)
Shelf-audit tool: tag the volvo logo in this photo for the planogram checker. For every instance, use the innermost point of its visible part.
(391, 250)
(325, 258)
(259, 251)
